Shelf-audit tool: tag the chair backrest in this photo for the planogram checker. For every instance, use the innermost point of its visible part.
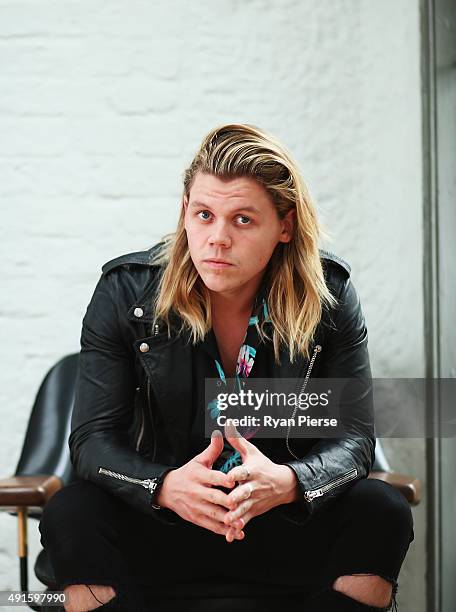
(45, 449)
(381, 463)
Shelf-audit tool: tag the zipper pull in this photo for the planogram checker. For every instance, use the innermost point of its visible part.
(150, 484)
(310, 495)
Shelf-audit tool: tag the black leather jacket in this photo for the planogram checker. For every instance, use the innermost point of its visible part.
(130, 426)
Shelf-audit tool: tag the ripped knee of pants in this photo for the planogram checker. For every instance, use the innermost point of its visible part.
(392, 605)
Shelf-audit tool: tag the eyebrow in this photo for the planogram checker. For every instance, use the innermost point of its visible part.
(196, 204)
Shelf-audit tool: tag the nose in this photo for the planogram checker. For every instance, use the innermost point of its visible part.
(219, 235)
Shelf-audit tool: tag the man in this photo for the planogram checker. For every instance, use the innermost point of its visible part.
(240, 289)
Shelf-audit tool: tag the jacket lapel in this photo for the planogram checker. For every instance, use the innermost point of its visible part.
(168, 366)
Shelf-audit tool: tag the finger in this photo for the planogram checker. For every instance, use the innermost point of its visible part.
(209, 518)
(208, 456)
(212, 511)
(239, 494)
(214, 496)
(237, 441)
(235, 530)
(240, 473)
(245, 518)
(216, 478)
(241, 522)
(208, 523)
(212, 525)
(233, 534)
(239, 512)
(238, 526)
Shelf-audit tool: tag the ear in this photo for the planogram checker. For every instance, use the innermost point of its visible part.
(288, 223)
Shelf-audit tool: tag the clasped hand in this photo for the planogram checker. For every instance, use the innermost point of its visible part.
(191, 490)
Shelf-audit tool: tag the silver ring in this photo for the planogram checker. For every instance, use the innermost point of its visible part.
(248, 473)
(251, 489)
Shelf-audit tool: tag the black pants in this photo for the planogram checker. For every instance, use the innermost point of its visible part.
(92, 537)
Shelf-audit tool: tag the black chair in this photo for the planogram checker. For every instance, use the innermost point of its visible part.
(44, 467)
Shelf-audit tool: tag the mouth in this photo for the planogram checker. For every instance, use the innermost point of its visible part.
(217, 263)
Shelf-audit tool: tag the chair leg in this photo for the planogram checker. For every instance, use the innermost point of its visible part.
(22, 533)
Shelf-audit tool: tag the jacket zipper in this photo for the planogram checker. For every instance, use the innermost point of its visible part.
(317, 349)
(312, 493)
(148, 483)
(350, 475)
(141, 431)
(154, 433)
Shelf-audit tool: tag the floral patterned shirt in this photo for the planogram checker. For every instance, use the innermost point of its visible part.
(208, 364)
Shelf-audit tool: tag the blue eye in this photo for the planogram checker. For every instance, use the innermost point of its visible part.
(203, 211)
(244, 217)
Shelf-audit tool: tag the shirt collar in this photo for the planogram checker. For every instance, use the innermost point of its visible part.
(260, 313)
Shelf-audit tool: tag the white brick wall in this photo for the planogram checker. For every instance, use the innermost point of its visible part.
(102, 105)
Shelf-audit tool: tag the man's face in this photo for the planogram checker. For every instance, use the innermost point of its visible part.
(236, 222)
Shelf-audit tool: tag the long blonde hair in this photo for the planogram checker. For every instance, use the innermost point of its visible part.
(296, 287)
